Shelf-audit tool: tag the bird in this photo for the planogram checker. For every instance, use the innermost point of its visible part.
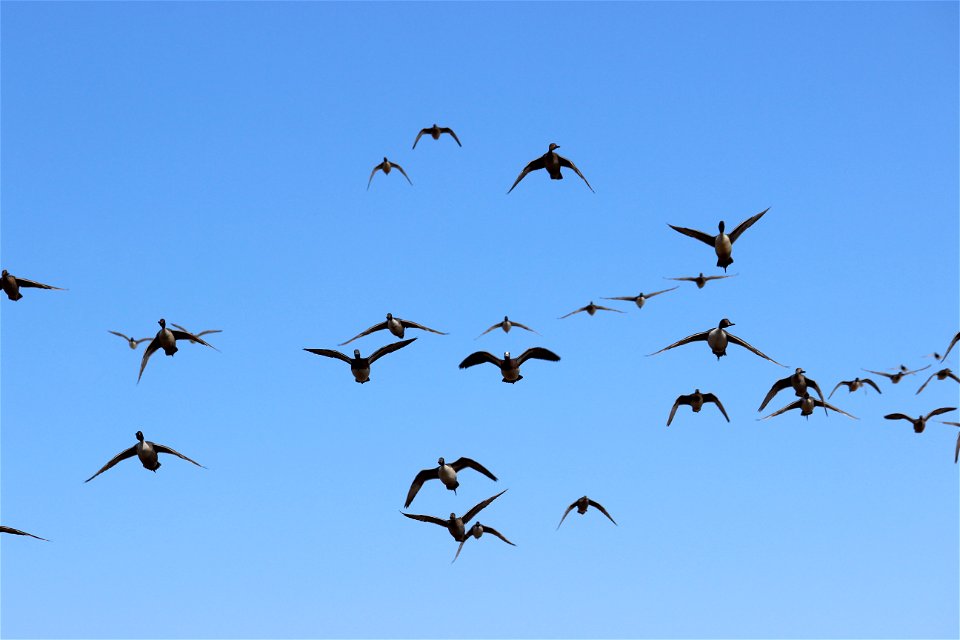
(853, 385)
(476, 531)
(956, 452)
(386, 166)
(807, 404)
(360, 367)
(17, 532)
(552, 162)
(798, 381)
(10, 284)
(435, 132)
(147, 452)
(395, 326)
(641, 298)
(898, 376)
(509, 367)
(198, 334)
(943, 374)
(581, 504)
(696, 401)
(945, 353)
(456, 526)
(133, 343)
(721, 243)
(167, 340)
(702, 280)
(447, 474)
(920, 423)
(506, 325)
(717, 339)
(934, 355)
(590, 309)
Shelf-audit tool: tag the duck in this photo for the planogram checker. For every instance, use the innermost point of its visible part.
(445, 473)
(590, 309)
(919, 423)
(551, 161)
(702, 280)
(509, 367)
(476, 531)
(581, 504)
(899, 375)
(721, 243)
(133, 343)
(943, 374)
(199, 333)
(386, 166)
(17, 532)
(718, 339)
(945, 353)
(10, 284)
(696, 400)
(435, 132)
(166, 339)
(360, 367)
(956, 452)
(641, 298)
(506, 325)
(853, 385)
(147, 452)
(807, 404)
(456, 526)
(798, 381)
(395, 326)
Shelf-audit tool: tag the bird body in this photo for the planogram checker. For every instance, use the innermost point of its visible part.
(447, 474)
(551, 161)
(360, 366)
(386, 166)
(853, 385)
(395, 326)
(696, 401)
(506, 325)
(722, 243)
(147, 452)
(10, 285)
(581, 505)
(434, 132)
(167, 340)
(509, 367)
(717, 339)
(456, 526)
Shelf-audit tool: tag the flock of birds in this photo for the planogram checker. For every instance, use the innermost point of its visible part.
(717, 338)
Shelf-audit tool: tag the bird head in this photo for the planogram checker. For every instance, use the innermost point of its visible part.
(721, 226)
(554, 145)
(725, 323)
(140, 436)
(441, 462)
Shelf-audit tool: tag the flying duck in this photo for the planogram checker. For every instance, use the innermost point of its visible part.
(198, 334)
(590, 309)
(641, 298)
(455, 525)
(853, 385)
(17, 532)
(147, 452)
(721, 243)
(552, 162)
(435, 132)
(386, 166)
(718, 339)
(476, 531)
(945, 353)
(167, 340)
(395, 326)
(506, 325)
(943, 374)
(956, 452)
(898, 376)
(807, 404)
(798, 381)
(696, 400)
(581, 504)
(10, 284)
(701, 280)
(509, 367)
(131, 342)
(920, 423)
(360, 367)
(447, 474)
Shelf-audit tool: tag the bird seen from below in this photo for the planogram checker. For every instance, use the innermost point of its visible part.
(807, 404)
(853, 385)
(718, 339)
(10, 284)
(509, 367)
(919, 423)
(722, 243)
(166, 339)
(147, 452)
(798, 381)
(395, 326)
(133, 343)
(457, 526)
(435, 132)
(386, 166)
(581, 504)
(899, 375)
(702, 280)
(695, 401)
(641, 298)
(359, 366)
(590, 309)
(445, 473)
(506, 325)
(943, 374)
(551, 161)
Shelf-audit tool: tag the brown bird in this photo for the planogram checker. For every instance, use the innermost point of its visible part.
(17, 532)
(386, 166)
(590, 309)
(696, 401)
(506, 325)
(807, 404)
(551, 162)
(718, 339)
(898, 376)
(945, 353)
(476, 531)
(147, 452)
(701, 280)
(640, 299)
(131, 342)
(581, 504)
(360, 367)
(445, 473)
(721, 243)
(798, 381)
(509, 367)
(853, 385)
(435, 132)
(920, 423)
(456, 526)
(167, 340)
(10, 284)
(395, 326)
(943, 374)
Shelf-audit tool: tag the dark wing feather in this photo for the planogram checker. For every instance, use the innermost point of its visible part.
(423, 476)
(532, 166)
(566, 163)
(906, 373)
(599, 506)
(924, 385)
(487, 529)
(186, 335)
(826, 405)
(153, 346)
(379, 166)
(656, 293)
(735, 340)
(746, 224)
(952, 343)
(793, 405)
(463, 463)
(377, 327)
(123, 455)
(538, 353)
(572, 312)
(390, 348)
(499, 325)
(597, 306)
(450, 131)
(117, 333)
(479, 357)
(709, 397)
(777, 387)
(416, 140)
(898, 416)
(400, 169)
(881, 373)
(696, 235)
(937, 412)
(410, 324)
(466, 537)
(17, 532)
(569, 509)
(162, 448)
(523, 326)
(627, 298)
(469, 515)
(871, 383)
(430, 519)
(679, 401)
(23, 282)
(695, 337)
(837, 387)
(330, 353)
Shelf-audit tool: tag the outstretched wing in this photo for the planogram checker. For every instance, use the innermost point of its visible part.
(17, 532)
(898, 416)
(390, 348)
(709, 397)
(597, 505)
(532, 166)
(881, 373)
(735, 340)
(410, 324)
(566, 163)
(499, 325)
(906, 373)
(793, 405)
(487, 529)
(123, 455)
(153, 346)
(872, 384)
(450, 131)
(538, 353)
(827, 405)
(523, 326)
(379, 166)
(466, 537)
(601, 308)
(696, 235)
(924, 385)
(377, 327)
(837, 387)
(479, 357)
(330, 353)
(679, 401)
(469, 515)
(463, 463)
(572, 312)
(23, 282)
(430, 519)
(423, 476)
(570, 508)
(952, 343)
(416, 140)
(746, 224)
(694, 338)
(777, 387)
(162, 448)
(656, 293)
(400, 169)
(186, 335)
(937, 412)
(117, 333)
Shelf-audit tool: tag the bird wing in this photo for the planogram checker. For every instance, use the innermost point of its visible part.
(732, 275)
(377, 327)
(566, 163)
(656, 293)
(953, 376)
(898, 416)
(117, 333)
(880, 373)
(627, 298)
(906, 373)
(466, 537)
(695, 337)
(793, 405)
(23, 282)
(123, 455)
(463, 463)
(837, 387)
(572, 312)
(872, 384)
(416, 140)
(599, 506)
(569, 509)
(20, 533)
(390, 348)
(379, 166)
(679, 401)
(523, 326)
(746, 224)
(330, 353)
(693, 233)
(400, 169)
(430, 519)
(735, 340)
(450, 131)
(469, 515)
(952, 342)
(496, 326)
(709, 397)
(410, 324)
(479, 357)
(923, 386)
(683, 279)
(956, 452)
(777, 387)
(601, 308)
(539, 163)
(937, 412)
(827, 405)
(162, 448)
(538, 353)
(199, 333)
(487, 529)
(192, 337)
(423, 476)
(153, 346)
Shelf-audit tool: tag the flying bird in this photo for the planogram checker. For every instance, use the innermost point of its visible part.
(509, 367)
(17, 532)
(798, 381)
(807, 404)
(898, 376)
(167, 340)
(360, 367)
(10, 284)
(506, 325)
(133, 343)
(581, 504)
(701, 280)
(919, 423)
(641, 298)
(435, 132)
(386, 166)
(853, 385)
(721, 243)
(943, 374)
(456, 526)
(717, 339)
(476, 531)
(147, 452)
(552, 162)
(447, 474)
(696, 400)
(591, 309)
(394, 326)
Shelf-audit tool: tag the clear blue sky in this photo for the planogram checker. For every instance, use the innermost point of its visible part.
(207, 163)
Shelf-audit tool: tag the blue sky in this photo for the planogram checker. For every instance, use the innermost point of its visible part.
(207, 163)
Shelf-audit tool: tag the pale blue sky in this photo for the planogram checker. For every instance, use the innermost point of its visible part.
(207, 163)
